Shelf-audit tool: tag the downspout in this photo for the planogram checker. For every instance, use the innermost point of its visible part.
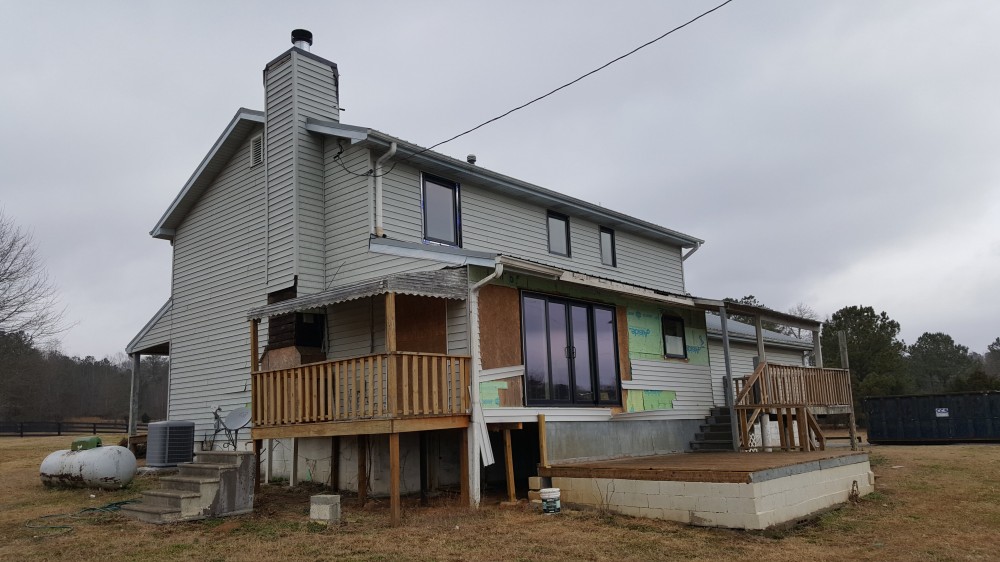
(379, 231)
(695, 248)
(474, 461)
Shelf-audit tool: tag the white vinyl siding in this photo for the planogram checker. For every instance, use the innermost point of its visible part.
(458, 328)
(497, 223)
(348, 219)
(356, 327)
(218, 274)
(691, 383)
(280, 143)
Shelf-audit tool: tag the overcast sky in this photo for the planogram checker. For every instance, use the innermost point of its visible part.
(832, 153)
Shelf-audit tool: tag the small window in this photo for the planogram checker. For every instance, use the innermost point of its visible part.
(256, 150)
(674, 344)
(608, 247)
(442, 222)
(558, 234)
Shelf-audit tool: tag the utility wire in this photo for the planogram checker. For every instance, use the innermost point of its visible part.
(541, 97)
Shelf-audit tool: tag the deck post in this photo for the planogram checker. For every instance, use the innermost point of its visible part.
(543, 449)
(765, 415)
(293, 478)
(254, 359)
(730, 398)
(394, 504)
(269, 466)
(133, 397)
(817, 348)
(464, 477)
(335, 463)
(509, 464)
(423, 467)
(256, 473)
(362, 469)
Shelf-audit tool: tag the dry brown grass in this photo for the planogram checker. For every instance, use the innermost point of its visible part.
(942, 503)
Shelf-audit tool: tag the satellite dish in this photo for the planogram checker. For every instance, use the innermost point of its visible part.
(237, 418)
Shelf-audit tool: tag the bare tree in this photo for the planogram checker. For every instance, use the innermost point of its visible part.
(28, 302)
(802, 310)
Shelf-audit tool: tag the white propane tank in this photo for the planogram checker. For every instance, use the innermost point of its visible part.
(101, 467)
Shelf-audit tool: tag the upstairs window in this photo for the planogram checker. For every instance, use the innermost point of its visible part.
(558, 234)
(674, 344)
(442, 222)
(608, 247)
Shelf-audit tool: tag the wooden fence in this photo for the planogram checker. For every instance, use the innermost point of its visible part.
(46, 428)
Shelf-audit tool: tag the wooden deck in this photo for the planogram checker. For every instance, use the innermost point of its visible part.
(740, 468)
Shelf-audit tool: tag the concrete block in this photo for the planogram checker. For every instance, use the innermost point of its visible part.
(711, 504)
(648, 487)
(662, 502)
(672, 488)
(635, 500)
(627, 510)
(325, 508)
(539, 482)
(536, 495)
(685, 503)
(651, 513)
(679, 515)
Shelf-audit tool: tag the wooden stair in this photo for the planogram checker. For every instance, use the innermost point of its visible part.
(217, 484)
(716, 433)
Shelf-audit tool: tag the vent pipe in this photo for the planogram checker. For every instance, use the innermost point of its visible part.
(302, 38)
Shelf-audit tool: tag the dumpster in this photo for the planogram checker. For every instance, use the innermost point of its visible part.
(934, 418)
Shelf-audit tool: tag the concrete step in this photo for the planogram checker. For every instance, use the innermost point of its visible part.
(204, 485)
(184, 501)
(718, 420)
(203, 469)
(151, 514)
(217, 457)
(719, 411)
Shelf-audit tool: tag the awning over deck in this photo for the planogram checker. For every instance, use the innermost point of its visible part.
(443, 283)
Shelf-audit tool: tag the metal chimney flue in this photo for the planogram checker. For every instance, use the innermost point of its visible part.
(302, 38)
(471, 159)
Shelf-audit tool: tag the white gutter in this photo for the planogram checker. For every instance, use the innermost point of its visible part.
(379, 231)
(475, 443)
(693, 249)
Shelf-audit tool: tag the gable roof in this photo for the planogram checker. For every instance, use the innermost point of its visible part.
(222, 151)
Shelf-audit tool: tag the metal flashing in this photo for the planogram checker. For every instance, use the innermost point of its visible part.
(434, 252)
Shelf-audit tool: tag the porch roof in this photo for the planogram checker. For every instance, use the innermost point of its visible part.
(442, 283)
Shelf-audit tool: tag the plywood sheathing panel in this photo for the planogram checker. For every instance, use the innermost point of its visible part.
(421, 324)
(499, 326)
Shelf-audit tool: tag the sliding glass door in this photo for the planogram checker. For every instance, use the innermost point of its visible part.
(570, 352)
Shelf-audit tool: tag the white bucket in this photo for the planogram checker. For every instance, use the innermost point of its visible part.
(550, 500)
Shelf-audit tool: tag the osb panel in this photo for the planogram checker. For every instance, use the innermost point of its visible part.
(513, 395)
(624, 365)
(499, 326)
(421, 324)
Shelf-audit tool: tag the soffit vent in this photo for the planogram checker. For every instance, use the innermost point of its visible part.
(256, 150)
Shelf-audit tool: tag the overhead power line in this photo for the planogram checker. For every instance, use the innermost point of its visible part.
(543, 96)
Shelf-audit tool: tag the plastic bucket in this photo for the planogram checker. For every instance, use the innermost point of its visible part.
(550, 500)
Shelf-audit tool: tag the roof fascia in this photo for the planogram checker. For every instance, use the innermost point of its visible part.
(444, 254)
(159, 231)
(334, 129)
(130, 348)
(789, 320)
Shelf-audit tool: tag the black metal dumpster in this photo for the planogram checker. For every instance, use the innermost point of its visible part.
(934, 418)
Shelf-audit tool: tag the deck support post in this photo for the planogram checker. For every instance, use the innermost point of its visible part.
(335, 463)
(133, 396)
(293, 477)
(464, 478)
(254, 358)
(423, 467)
(817, 348)
(543, 449)
(728, 381)
(257, 443)
(508, 455)
(394, 503)
(269, 466)
(765, 416)
(362, 469)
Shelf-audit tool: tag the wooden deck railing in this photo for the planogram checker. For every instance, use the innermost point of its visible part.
(378, 386)
(789, 392)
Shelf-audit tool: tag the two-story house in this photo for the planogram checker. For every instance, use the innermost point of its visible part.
(383, 307)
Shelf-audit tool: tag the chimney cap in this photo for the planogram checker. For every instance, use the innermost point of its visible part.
(303, 35)
(471, 159)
